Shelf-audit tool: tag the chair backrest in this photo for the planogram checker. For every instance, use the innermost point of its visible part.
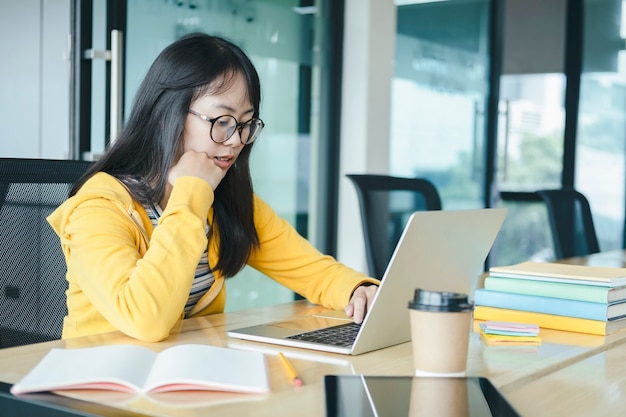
(32, 267)
(386, 203)
(571, 223)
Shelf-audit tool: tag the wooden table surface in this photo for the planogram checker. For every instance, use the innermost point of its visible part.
(580, 367)
(595, 386)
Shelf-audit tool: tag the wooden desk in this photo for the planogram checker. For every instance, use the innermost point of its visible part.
(569, 374)
(509, 368)
(595, 386)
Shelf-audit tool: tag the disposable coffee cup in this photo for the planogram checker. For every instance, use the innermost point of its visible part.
(440, 327)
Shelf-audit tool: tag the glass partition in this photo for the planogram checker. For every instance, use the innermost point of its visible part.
(439, 92)
(532, 120)
(439, 95)
(279, 36)
(601, 140)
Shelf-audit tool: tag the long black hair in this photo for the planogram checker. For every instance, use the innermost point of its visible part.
(152, 139)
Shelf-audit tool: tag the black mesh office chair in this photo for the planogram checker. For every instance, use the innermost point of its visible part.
(386, 203)
(571, 223)
(32, 267)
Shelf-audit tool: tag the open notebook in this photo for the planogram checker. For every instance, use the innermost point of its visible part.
(442, 250)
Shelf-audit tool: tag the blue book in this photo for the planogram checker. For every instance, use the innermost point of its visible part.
(550, 305)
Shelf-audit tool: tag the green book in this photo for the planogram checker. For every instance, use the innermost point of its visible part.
(581, 292)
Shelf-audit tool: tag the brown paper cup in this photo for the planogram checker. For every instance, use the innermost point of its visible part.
(440, 328)
(440, 342)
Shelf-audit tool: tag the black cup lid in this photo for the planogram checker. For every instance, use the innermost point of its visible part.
(440, 301)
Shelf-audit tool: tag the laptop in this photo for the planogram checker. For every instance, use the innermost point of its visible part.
(439, 250)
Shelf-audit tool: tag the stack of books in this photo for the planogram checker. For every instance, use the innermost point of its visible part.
(577, 298)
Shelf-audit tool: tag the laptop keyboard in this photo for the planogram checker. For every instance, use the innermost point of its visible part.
(341, 335)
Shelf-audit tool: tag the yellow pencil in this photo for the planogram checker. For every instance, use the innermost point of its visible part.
(291, 372)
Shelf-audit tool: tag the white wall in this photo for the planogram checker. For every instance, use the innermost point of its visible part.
(369, 49)
(34, 112)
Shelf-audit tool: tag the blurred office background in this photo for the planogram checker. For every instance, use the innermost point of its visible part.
(489, 99)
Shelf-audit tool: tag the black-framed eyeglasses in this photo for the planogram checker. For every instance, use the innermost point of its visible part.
(223, 127)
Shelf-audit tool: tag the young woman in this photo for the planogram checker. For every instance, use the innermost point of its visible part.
(168, 212)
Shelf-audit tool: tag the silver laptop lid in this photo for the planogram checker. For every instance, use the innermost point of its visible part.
(440, 250)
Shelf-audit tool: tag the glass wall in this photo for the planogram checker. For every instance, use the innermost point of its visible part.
(279, 36)
(439, 92)
(601, 139)
(532, 121)
(531, 124)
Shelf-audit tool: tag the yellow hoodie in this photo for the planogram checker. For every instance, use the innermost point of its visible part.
(125, 275)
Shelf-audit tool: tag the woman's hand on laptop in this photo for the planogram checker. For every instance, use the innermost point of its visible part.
(360, 302)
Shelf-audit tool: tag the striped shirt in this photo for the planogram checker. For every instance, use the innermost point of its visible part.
(203, 278)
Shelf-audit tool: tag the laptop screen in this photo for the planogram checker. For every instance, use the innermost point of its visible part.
(365, 396)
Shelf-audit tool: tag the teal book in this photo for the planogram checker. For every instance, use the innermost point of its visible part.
(591, 293)
(550, 305)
